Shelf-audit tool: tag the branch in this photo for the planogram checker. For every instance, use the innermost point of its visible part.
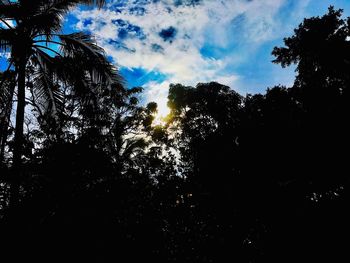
(7, 24)
(50, 49)
(3, 80)
(40, 35)
(32, 103)
(49, 41)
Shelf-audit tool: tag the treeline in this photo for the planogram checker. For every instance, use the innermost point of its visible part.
(226, 177)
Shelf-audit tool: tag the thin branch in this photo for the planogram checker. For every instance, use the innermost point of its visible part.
(40, 35)
(8, 68)
(7, 24)
(32, 102)
(50, 49)
(49, 41)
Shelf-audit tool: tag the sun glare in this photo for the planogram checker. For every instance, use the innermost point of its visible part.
(163, 111)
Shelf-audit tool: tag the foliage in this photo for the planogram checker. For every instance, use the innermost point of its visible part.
(255, 178)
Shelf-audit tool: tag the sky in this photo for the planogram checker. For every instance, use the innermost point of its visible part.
(158, 42)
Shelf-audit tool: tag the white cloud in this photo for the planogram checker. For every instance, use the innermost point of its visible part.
(180, 59)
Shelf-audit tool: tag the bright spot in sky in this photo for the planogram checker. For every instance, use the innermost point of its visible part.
(163, 111)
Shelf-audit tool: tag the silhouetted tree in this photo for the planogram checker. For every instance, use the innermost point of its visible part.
(320, 48)
(36, 25)
(7, 87)
(206, 124)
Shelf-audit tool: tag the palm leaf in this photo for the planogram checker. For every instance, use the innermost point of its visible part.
(71, 72)
(91, 56)
(9, 11)
(6, 37)
(80, 42)
(46, 90)
(134, 146)
(46, 23)
(48, 16)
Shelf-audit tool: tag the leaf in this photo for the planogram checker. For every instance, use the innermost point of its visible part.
(46, 90)
(6, 38)
(9, 11)
(91, 57)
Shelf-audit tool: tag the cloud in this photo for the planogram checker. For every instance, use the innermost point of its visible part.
(170, 36)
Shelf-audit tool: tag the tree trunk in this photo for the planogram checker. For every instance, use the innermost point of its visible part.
(18, 142)
(6, 121)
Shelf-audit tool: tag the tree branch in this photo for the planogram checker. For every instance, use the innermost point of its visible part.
(49, 41)
(50, 49)
(7, 24)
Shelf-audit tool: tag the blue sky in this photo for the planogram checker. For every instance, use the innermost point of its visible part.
(158, 42)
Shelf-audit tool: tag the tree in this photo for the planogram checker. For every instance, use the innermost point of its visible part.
(207, 121)
(320, 48)
(204, 124)
(7, 88)
(31, 29)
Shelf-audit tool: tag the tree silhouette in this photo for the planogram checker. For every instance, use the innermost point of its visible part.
(206, 120)
(31, 30)
(7, 94)
(320, 47)
(207, 117)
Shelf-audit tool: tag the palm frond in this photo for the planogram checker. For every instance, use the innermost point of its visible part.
(80, 42)
(9, 11)
(46, 23)
(44, 61)
(6, 38)
(83, 48)
(46, 89)
(31, 7)
(71, 72)
(48, 17)
(134, 146)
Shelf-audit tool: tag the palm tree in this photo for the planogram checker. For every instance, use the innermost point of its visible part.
(31, 35)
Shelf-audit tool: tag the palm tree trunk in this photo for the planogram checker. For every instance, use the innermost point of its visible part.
(18, 142)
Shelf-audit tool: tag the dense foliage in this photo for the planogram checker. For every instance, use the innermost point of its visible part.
(256, 178)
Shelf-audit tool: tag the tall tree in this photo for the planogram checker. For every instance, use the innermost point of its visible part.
(206, 119)
(30, 32)
(7, 88)
(320, 48)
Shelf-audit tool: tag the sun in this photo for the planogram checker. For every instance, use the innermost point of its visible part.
(162, 111)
